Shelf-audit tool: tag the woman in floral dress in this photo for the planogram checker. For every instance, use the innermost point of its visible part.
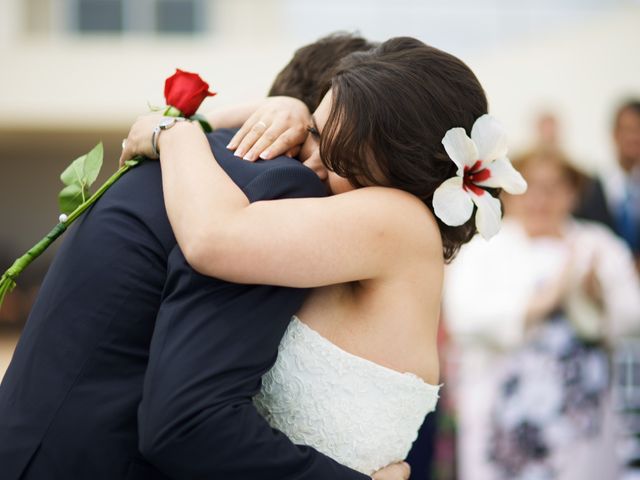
(533, 314)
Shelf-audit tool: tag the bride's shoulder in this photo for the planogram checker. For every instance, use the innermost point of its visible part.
(402, 211)
(390, 198)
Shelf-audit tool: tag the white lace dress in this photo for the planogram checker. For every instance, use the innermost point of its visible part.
(359, 413)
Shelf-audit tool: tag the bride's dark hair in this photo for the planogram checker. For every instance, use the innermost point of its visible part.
(391, 107)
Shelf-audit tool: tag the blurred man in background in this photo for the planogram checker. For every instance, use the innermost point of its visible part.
(614, 199)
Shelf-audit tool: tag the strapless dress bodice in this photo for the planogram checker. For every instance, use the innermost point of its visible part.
(361, 414)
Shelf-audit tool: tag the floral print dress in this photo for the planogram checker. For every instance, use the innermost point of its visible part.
(536, 404)
(552, 393)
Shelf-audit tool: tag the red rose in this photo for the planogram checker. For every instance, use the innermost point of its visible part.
(186, 91)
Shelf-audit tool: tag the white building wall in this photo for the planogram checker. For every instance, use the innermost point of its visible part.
(528, 60)
(60, 79)
(581, 73)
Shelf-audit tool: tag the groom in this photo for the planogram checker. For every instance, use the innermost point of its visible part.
(134, 366)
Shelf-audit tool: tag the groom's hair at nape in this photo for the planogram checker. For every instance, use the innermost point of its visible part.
(391, 107)
(308, 75)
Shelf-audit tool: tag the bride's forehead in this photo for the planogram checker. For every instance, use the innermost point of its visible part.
(322, 112)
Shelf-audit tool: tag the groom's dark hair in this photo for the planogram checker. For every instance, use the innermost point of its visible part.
(308, 75)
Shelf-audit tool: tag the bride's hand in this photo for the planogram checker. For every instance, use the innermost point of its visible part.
(138, 141)
(395, 471)
(278, 127)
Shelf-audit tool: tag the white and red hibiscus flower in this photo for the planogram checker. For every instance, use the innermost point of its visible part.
(482, 163)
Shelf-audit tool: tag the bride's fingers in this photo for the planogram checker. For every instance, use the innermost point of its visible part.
(125, 154)
(287, 143)
(396, 471)
(242, 131)
(268, 138)
(294, 152)
(403, 470)
(406, 470)
(237, 138)
(249, 134)
(285, 131)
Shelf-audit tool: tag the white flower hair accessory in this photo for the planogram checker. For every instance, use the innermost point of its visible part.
(482, 162)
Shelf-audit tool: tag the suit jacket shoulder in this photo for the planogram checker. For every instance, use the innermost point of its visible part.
(593, 205)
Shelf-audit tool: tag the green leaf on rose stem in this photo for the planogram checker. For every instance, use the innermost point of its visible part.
(93, 164)
(202, 120)
(84, 170)
(71, 197)
(74, 173)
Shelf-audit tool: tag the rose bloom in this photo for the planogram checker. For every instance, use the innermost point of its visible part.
(186, 91)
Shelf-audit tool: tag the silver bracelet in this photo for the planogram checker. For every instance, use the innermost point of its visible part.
(165, 124)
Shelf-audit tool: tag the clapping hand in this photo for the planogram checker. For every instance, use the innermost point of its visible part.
(553, 293)
(591, 284)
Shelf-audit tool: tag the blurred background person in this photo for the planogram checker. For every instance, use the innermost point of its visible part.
(614, 198)
(548, 132)
(532, 314)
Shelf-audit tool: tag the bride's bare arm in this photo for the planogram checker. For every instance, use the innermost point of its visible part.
(296, 242)
(233, 116)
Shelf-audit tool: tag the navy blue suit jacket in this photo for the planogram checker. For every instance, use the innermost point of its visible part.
(134, 366)
(595, 207)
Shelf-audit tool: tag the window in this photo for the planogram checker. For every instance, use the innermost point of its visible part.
(176, 16)
(159, 16)
(100, 15)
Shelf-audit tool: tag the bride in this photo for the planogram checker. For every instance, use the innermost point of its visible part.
(358, 367)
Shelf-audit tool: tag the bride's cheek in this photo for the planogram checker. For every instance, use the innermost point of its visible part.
(339, 184)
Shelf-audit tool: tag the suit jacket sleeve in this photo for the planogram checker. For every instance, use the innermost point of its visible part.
(212, 343)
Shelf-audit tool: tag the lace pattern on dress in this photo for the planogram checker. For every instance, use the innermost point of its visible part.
(359, 413)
